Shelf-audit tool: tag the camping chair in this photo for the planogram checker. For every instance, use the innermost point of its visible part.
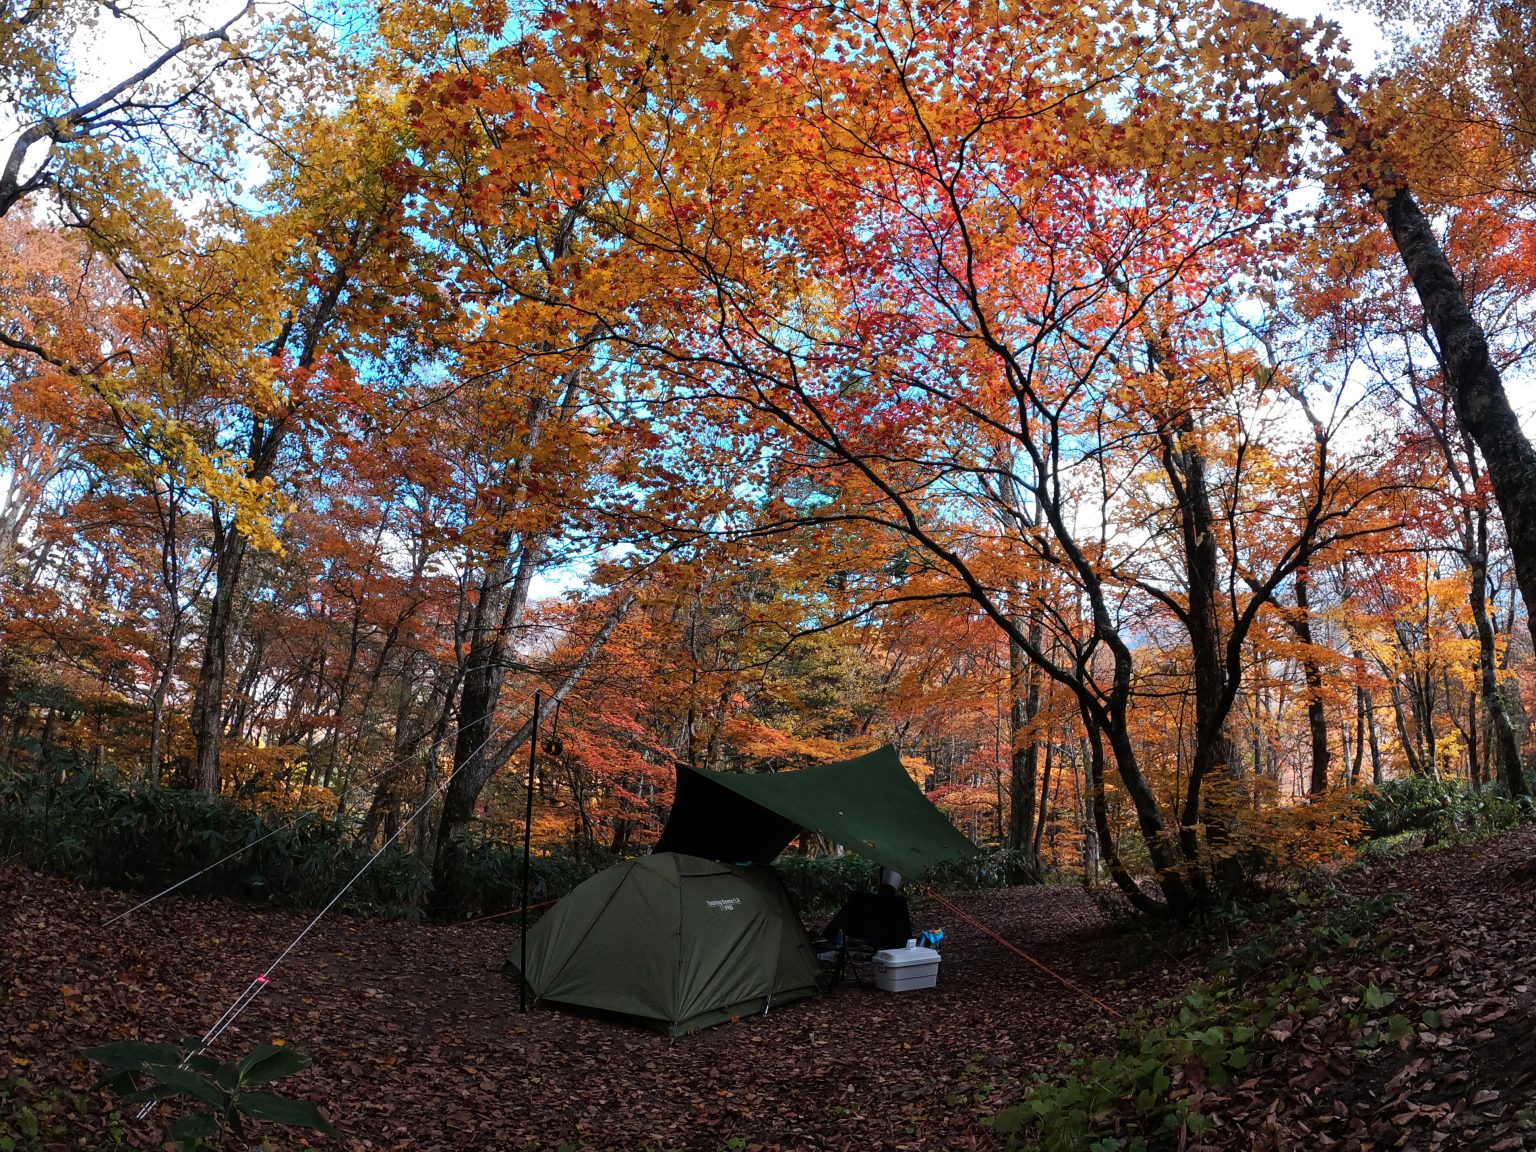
(841, 955)
(868, 922)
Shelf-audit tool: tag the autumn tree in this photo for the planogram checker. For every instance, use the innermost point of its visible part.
(1389, 148)
(559, 453)
(891, 314)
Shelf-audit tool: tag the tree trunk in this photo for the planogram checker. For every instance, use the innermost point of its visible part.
(1098, 805)
(1044, 807)
(1185, 467)
(1378, 778)
(1024, 759)
(1476, 388)
(160, 694)
(384, 807)
(1474, 757)
(1505, 747)
(229, 545)
(1409, 745)
(479, 763)
(1473, 380)
(1086, 816)
(1362, 702)
(1317, 716)
(503, 597)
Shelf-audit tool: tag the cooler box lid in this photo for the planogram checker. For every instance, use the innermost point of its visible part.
(906, 957)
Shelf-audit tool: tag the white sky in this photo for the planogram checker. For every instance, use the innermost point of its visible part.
(1361, 31)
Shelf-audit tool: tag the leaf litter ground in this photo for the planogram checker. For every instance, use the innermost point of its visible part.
(418, 1042)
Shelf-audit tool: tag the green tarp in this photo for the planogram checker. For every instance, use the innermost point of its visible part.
(869, 805)
(672, 941)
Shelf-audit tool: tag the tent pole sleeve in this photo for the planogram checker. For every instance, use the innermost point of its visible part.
(533, 757)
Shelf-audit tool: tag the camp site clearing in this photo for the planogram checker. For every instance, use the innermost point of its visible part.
(418, 1042)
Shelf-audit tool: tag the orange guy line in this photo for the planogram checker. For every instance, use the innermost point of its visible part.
(1014, 948)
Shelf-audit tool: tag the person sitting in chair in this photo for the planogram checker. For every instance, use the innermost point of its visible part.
(872, 919)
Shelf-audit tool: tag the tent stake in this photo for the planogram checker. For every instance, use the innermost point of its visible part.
(533, 757)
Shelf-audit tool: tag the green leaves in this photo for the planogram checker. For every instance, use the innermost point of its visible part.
(1376, 999)
(192, 1127)
(139, 1071)
(270, 1062)
(1152, 1075)
(129, 1055)
(185, 1082)
(280, 1110)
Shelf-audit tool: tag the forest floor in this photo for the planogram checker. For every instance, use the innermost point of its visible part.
(418, 1042)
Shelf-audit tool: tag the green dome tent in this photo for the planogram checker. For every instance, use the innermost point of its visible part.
(673, 941)
(677, 940)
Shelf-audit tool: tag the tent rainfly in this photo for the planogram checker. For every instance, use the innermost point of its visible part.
(674, 942)
(870, 805)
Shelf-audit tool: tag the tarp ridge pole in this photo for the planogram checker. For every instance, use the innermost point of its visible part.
(533, 759)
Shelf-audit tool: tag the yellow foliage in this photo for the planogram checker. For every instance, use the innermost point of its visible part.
(757, 742)
(270, 778)
(1304, 833)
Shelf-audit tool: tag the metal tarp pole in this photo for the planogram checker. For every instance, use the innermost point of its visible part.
(533, 757)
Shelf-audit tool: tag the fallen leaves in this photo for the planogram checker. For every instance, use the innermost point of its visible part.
(1465, 1077)
(417, 1048)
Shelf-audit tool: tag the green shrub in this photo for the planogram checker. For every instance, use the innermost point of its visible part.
(96, 829)
(994, 868)
(1143, 1089)
(493, 875)
(1441, 810)
(1138, 1092)
(220, 1097)
(823, 883)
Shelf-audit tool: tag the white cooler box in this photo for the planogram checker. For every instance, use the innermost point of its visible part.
(906, 969)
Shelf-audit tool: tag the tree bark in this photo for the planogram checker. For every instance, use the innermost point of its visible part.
(1099, 806)
(1185, 467)
(1317, 715)
(1475, 384)
(1378, 777)
(267, 436)
(1044, 806)
(1024, 759)
(157, 700)
(474, 771)
(1504, 747)
(229, 544)
(1409, 745)
(1472, 379)
(1362, 699)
